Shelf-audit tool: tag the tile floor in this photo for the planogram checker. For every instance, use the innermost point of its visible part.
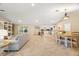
(44, 46)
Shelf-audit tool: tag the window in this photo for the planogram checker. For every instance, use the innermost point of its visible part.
(67, 26)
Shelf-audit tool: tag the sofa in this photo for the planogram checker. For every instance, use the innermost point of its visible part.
(18, 42)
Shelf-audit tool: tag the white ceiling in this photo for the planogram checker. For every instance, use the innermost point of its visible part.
(39, 14)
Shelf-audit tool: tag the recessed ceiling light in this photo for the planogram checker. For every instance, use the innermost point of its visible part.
(36, 21)
(33, 4)
(19, 21)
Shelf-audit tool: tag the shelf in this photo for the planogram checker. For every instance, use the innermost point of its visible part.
(7, 26)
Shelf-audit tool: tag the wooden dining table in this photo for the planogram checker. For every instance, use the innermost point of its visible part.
(66, 36)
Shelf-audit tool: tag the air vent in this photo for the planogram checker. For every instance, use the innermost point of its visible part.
(57, 10)
(2, 10)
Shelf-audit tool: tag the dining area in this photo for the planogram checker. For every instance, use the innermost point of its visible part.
(68, 39)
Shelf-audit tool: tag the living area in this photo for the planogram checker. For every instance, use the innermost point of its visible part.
(39, 29)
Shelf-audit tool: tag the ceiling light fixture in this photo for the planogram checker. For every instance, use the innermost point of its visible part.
(66, 15)
(36, 20)
(33, 4)
(19, 21)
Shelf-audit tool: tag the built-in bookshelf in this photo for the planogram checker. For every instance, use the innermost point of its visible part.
(7, 26)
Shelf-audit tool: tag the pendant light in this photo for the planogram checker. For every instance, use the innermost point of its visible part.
(66, 15)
